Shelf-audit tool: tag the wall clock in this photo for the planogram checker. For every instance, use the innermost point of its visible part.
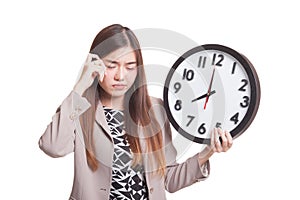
(211, 86)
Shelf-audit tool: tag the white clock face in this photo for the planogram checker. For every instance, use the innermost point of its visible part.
(207, 88)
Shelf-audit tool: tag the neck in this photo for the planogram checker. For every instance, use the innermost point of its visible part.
(112, 102)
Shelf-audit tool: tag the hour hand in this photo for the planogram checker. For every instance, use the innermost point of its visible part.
(204, 96)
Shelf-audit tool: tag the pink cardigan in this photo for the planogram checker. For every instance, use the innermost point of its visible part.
(63, 136)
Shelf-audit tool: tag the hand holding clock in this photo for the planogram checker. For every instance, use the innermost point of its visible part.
(217, 136)
(216, 145)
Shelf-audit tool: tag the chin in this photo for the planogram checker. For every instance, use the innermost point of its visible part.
(118, 93)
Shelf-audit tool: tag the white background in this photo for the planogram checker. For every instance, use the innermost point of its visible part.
(44, 43)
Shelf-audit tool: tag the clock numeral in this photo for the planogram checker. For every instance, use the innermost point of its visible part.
(219, 62)
(201, 61)
(177, 105)
(188, 74)
(242, 88)
(246, 102)
(191, 118)
(218, 125)
(233, 68)
(177, 87)
(202, 129)
(235, 118)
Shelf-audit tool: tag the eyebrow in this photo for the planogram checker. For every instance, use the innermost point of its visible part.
(115, 62)
(111, 61)
(132, 62)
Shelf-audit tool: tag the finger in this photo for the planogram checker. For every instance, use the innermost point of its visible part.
(224, 139)
(97, 62)
(91, 58)
(217, 141)
(229, 138)
(100, 70)
(94, 74)
(212, 140)
(101, 62)
(94, 56)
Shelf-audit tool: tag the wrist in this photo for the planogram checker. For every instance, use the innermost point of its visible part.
(78, 89)
(205, 154)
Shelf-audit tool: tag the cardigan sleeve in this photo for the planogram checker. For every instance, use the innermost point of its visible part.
(179, 175)
(58, 138)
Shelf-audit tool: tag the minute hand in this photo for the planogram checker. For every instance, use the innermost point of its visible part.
(209, 88)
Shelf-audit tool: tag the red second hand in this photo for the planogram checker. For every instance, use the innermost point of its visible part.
(206, 100)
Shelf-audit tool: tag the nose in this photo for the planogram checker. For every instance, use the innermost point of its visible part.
(119, 76)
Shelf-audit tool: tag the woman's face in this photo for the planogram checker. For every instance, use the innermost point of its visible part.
(121, 71)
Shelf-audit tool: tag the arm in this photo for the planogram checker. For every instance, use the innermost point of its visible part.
(194, 169)
(177, 175)
(58, 138)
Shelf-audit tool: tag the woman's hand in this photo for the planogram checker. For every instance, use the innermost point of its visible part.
(216, 145)
(93, 67)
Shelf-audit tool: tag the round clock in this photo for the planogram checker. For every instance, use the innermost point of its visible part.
(211, 86)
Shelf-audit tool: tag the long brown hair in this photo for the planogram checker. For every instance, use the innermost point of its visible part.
(137, 103)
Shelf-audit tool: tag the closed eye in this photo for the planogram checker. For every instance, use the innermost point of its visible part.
(131, 65)
(111, 66)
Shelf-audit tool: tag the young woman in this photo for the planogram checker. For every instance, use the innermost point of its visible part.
(120, 136)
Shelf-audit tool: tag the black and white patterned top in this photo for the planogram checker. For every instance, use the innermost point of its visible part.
(127, 183)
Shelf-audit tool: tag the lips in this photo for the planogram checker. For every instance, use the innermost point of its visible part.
(119, 86)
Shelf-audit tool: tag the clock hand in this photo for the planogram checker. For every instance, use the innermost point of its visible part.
(204, 95)
(209, 87)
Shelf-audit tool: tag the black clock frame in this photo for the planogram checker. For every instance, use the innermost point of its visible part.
(254, 86)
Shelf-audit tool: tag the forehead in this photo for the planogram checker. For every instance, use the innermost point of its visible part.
(122, 54)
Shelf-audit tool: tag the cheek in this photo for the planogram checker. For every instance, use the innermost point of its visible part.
(109, 76)
(108, 79)
(132, 76)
